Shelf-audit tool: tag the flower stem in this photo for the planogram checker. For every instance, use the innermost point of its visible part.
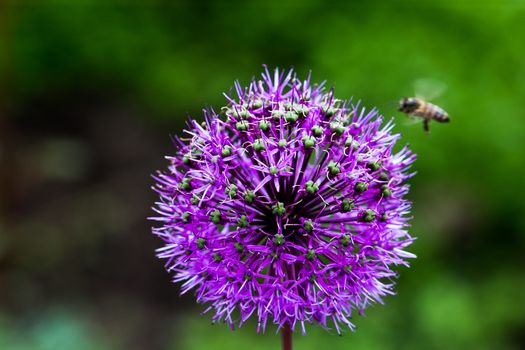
(286, 334)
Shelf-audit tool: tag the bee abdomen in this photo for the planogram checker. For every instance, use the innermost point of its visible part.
(430, 111)
(437, 113)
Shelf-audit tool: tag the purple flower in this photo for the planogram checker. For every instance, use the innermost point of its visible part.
(289, 207)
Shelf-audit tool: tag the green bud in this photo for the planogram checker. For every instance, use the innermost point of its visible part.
(263, 125)
(301, 110)
(195, 200)
(282, 143)
(384, 217)
(308, 226)
(185, 184)
(288, 106)
(348, 268)
(247, 277)
(385, 191)
(200, 243)
(217, 257)
(311, 187)
(360, 187)
(258, 103)
(273, 170)
(308, 141)
(337, 128)
(239, 247)
(186, 159)
(244, 114)
(242, 221)
(242, 125)
(230, 112)
(185, 216)
(383, 176)
(215, 216)
(329, 111)
(278, 209)
(369, 216)
(347, 205)
(249, 196)
(374, 166)
(276, 115)
(317, 130)
(226, 151)
(344, 240)
(310, 255)
(278, 239)
(231, 191)
(258, 145)
(291, 117)
(334, 168)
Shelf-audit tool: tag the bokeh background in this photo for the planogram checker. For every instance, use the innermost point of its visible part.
(91, 90)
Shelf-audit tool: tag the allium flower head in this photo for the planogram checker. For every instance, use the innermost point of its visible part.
(287, 206)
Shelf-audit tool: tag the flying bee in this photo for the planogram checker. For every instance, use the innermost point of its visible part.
(417, 107)
(420, 107)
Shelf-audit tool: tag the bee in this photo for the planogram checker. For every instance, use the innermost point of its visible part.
(417, 107)
(420, 107)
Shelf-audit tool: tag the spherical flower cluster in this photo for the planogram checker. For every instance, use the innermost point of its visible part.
(287, 206)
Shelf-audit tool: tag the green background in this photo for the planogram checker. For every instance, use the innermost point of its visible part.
(91, 90)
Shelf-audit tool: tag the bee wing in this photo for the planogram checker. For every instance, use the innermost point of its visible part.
(392, 104)
(429, 89)
(410, 121)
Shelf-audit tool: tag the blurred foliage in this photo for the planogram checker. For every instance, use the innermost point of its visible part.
(54, 330)
(92, 88)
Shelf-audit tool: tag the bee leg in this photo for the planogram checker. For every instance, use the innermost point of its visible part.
(426, 122)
